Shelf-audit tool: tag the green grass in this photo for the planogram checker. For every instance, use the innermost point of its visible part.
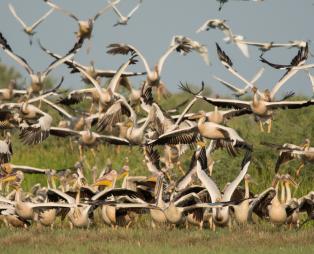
(146, 240)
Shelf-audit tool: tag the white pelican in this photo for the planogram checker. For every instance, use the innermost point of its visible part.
(123, 20)
(220, 215)
(238, 92)
(216, 23)
(37, 79)
(29, 30)
(11, 91)
(91, 70)
(195, 45)
(85, 26)
(288, 152)
(153, 76)
(6, 149)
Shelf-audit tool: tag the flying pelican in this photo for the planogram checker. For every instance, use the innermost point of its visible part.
(37, 79)
(288, 152)
(153, 76)
(29, 30)
(85, 26)
(265, 46)
(195, 45)
(238, 92)
(90, 70)
(11, 92)
(123, 20)
(215, 23)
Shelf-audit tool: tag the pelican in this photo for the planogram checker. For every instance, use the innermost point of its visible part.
(215, 23)
(6, 150)
(288, 152)
(91, 70)
(153, 76)
(241, 211)
(306, 204)
(123, 20)
(11, 92)
(85, 26)
(220, 215)
(87, 138)
(238, 92)
(37, 79)
(29, 30)
(195, 45)
(265, 46)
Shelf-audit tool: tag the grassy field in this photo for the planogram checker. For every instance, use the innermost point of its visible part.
(289, 126)
(257, 239)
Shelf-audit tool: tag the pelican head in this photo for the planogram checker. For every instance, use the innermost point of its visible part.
(254, 89)
(306, 144)
(289, 180)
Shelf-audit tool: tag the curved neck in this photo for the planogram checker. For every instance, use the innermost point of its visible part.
(247, 190)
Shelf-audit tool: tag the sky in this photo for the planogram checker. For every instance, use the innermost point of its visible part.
(151, 29)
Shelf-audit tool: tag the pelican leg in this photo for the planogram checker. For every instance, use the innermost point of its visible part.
(71, 144)
(117, 149)
(261, 126)
(81, 152)
(94, 153)
(269, 126)
(299, 169)
(201, 225)
(91, 109)
(153, 224)
(180, 168)
(186, 224)
(71, 225)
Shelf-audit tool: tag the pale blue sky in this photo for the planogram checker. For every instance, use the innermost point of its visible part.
(151, 29)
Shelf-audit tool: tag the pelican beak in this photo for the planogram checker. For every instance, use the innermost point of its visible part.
(102, 182)
(292, 181)
(195, 116)
(201, 144)
(10, 178)
(122, 175)
(152, 179)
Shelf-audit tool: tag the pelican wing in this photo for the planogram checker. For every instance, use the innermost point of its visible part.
(106, 8)
(260, 204)
(124, 49)
(233, 185)
(115, 9)
(41, 19)
(8, 50)
(63, 132)
(55, 195)
(113, 140)
(181, 136)
(289, 104)
(227, 103)
(59, 109)
(28, 169)
(134, 9)
(77, 46)
(67, 13)
(51, 205)
(229, 85)
(12, 9)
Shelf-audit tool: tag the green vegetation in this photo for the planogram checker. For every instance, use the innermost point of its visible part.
(145, 240)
